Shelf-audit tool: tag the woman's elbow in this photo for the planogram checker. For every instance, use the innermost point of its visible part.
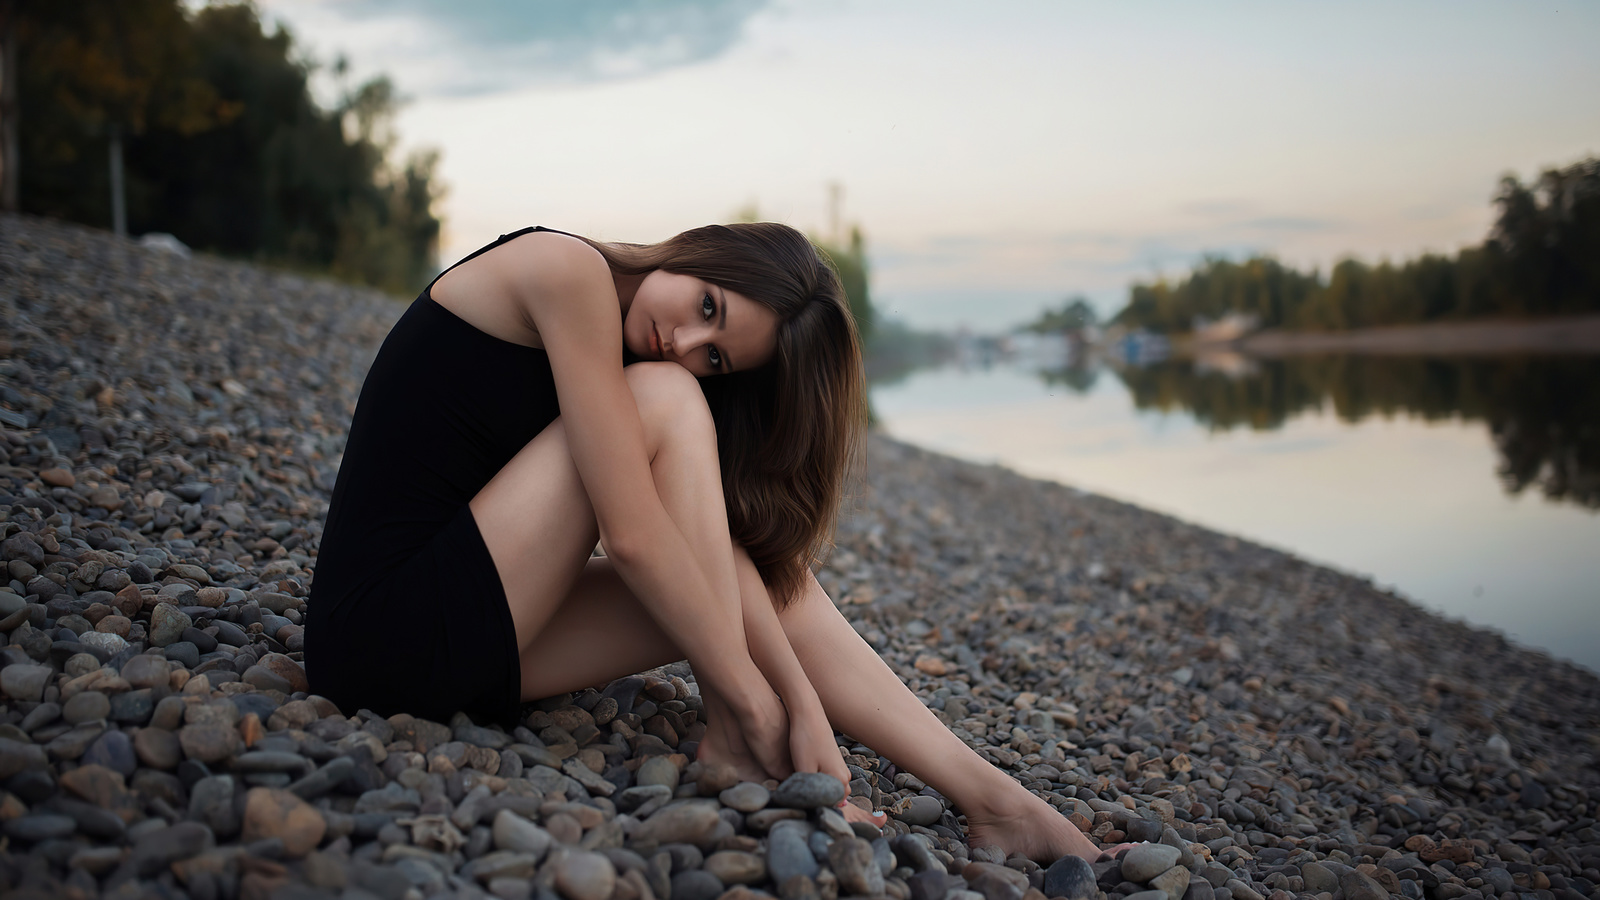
(622, 547)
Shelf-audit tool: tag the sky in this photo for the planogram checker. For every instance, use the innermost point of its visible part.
(998, 157)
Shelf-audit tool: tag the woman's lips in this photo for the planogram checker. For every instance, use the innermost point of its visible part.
(655, 342)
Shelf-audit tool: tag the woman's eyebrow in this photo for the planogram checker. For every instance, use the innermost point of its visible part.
(722, 324)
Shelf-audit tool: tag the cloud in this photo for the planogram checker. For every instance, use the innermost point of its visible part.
(468, 47)
(1301, 224)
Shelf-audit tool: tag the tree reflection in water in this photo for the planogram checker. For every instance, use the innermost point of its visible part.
(1543, 413)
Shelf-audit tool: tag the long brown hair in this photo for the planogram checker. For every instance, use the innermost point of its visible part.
(789, 431)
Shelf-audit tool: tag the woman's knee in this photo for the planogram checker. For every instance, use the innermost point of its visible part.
(670, 401)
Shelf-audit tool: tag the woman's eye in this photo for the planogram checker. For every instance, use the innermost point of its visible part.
(716, 358)
(707, 308)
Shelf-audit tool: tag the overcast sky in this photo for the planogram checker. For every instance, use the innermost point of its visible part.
(998, 156)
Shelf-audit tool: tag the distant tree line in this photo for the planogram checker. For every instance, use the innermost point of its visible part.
(1541, 412)
(216, 135)
(1541, 258)
(1074, 316)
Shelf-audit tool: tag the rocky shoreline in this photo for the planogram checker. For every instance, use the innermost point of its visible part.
(170, 429)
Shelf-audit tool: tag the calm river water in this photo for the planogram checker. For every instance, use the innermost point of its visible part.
(1472, 488)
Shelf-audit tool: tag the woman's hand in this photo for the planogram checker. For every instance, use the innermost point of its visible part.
(813, 748)
(811, 744)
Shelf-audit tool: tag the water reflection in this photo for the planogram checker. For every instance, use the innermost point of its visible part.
(1382, 466)
(1543, 413)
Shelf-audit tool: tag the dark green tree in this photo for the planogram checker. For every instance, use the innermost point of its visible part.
(224, 146)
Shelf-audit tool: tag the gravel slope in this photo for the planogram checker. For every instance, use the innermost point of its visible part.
(170, 429)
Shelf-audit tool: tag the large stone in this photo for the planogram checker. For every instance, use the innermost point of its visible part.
(585, 876)
(1360, 886)
(146, 671)
(915, 853)
(1146, 861)
(287, 669)
(513, 832)
(681, 823)
(158, 748)
(809, 790)
(918, 809)
(96, 784)
(1318, 878)
(736, 867)
(1174, 881)
(296, 714)
(114, 750)
(710, 779)
(18, 756)
(22, 547)
(788, 854)
(211, 801)
(658, 770)
(167, 623)
(1071, 877)
(854, 865)
(501, 864)
(209, 743)
(273, 813)
(88, 706)
(108, 642)
(25, 683)
(746, 797)
(35, 827)
(696, 884)
(155, 851)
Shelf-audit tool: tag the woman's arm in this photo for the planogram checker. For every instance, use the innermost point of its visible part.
(566, 290)
(811, 743)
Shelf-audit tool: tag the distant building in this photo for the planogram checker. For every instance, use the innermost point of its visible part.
(1224, 330)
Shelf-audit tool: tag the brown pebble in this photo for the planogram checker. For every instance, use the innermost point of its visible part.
(58, 478)
(114, 624)
(157, 748)
(250, 729)
(272, 813)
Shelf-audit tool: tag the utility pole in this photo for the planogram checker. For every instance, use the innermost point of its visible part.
(119, 206)
(835, 203)
(10, 173)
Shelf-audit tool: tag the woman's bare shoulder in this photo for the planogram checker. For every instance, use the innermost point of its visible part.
(505, 291)
(550, 259)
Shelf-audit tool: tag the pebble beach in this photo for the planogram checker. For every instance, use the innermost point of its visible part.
(170, 431)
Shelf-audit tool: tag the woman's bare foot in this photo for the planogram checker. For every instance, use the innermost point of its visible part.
(1033, 829)
(854, 813)
(725, 741)
(726, 745)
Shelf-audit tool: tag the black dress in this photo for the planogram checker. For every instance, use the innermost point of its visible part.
(407, 612)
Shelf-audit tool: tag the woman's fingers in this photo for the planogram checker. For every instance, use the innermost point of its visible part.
(1111, 852)
(854, 813)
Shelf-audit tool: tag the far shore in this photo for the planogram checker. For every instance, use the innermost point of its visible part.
(1563, 335)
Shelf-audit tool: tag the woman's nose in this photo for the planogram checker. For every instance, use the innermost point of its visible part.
(686, 338)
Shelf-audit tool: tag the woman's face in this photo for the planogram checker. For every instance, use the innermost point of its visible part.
(698, 325)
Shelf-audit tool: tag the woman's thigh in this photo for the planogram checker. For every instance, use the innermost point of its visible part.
(539, 526)
(599, 632)
(535, 516)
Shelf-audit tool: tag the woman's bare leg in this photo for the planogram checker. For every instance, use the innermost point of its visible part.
(537, 521)
(866, 700)
(602, 631)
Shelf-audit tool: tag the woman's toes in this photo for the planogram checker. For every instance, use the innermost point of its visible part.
(854, 813)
